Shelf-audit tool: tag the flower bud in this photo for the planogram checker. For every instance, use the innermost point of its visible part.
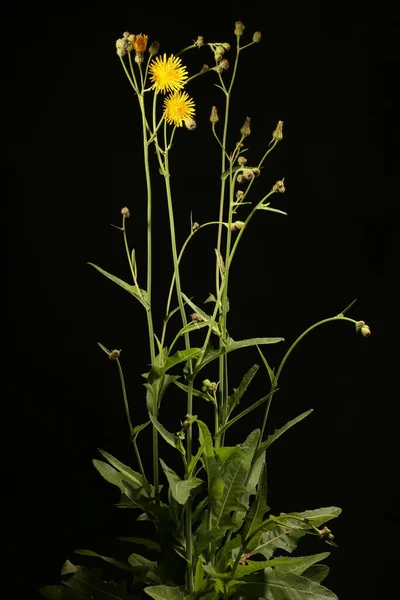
(279, 186)
(125, 212)
(114, 354)
(239, 195)
(139, 57)
(204, 68)
(226, 46)
(239, 28)
(257, 36)
(223, 65)
(248, 174)
(245, 131)
(200, 41)
(256, 171)
(196, 317)
(214, 118)
(154, 48)
(209, 386)
(195, 226)
(365, 330)
(242, 160)
(277, 134)
(121, 46)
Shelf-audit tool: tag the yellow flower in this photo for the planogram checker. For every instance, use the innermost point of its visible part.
(167, 73)
(178, 107)
(140, 43)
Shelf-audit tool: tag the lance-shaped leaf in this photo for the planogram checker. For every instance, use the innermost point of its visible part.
(141, 295)
(235, 398)
(197, 393)
(150, 544)
(285, 564)
(164, 592)
(147, 570)
(171, 361)
(136, 480)
(267, 207)
(257, 512)
(88, 584)
(137, 429)
(278, 432)
(244, 413)
(206, 318)
(110, 474)
(211, 353)
(111, 561)
(172, 439)
(156, 390)
(274, 585)
(180, 488)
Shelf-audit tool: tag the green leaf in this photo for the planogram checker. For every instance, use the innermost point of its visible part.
(257, 512)
(109, 474)
(270, 371)
(104, 348)
(197, 393)
(299, 564)
(317, 573)
(112, 561)
(144, 568)
(207, 318)
(194, 460)
(164, 592)
(156, 390)
(135, 479)
(59, 592)
(150, 544)
(132, 289)
(278, 432)
(235, 398)
(244, 412)
(180, 488)
(198, 575)
(88, 584)
(274, 585)
(137, 429)
(170, 438)
(178, 357)
(211, 353)
(276, 210)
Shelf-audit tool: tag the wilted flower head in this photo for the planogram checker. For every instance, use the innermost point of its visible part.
(214, 118)
(222, 66)
(277, 134)
(196, 317)
(140, 43)
(121, 46)
(363, 328)
(237, 225)
(242, 160)
(279, 186)
(114, 354)
(125, 212)
(190, 123)
(245, 130)
(200, 41)
(239, 28)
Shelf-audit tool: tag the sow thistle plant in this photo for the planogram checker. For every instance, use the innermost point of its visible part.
(215, 535)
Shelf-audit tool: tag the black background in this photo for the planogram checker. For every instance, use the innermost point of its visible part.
(74, 159)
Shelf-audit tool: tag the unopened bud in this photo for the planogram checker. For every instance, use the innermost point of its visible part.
(200, 41)
(126, 35)
(114, 354)
(139, 57)
(326, 534)
(214, 118)
(256, 171)
(257, 35)
(223, 65)
(237, 225)
(279, 187)
(204, 68)
(209, 386)
(363, 328)
(239, 195)
(245, 131)
(195, 226)
(226, 46)
(240, 178)
(121, 46)
(242, 160)
(190, 123)
(248, 174)
(277, 134)
(239, 28)
(154, 48)
(125, 212)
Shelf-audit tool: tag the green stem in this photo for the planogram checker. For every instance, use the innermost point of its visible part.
(125, 397)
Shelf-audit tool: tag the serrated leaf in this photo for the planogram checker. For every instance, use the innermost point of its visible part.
(180, 488)
(317, 573)
(170, 438)
(147, 570)
(171, 361)
(132, 289)
(274, 585)
(150, 544)
(235, 398)
(164, 592)
(111, 561)
(257, 512)
(278, 432)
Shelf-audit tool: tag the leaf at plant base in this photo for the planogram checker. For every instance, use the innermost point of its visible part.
(150, 544)
(278, 432)
(132, 289)
(60, 592)
(88, 584)
(135, 479)
(171, 361)
(170, 438)
(112, 561)
(147, 570)
(274, 585)
(164, 592)
(235, 398)
(317, 573)
(109, 474)
(180, 488)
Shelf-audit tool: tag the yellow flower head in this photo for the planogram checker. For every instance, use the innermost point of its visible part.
(167, 73)
(140, 43)
(178, 107)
